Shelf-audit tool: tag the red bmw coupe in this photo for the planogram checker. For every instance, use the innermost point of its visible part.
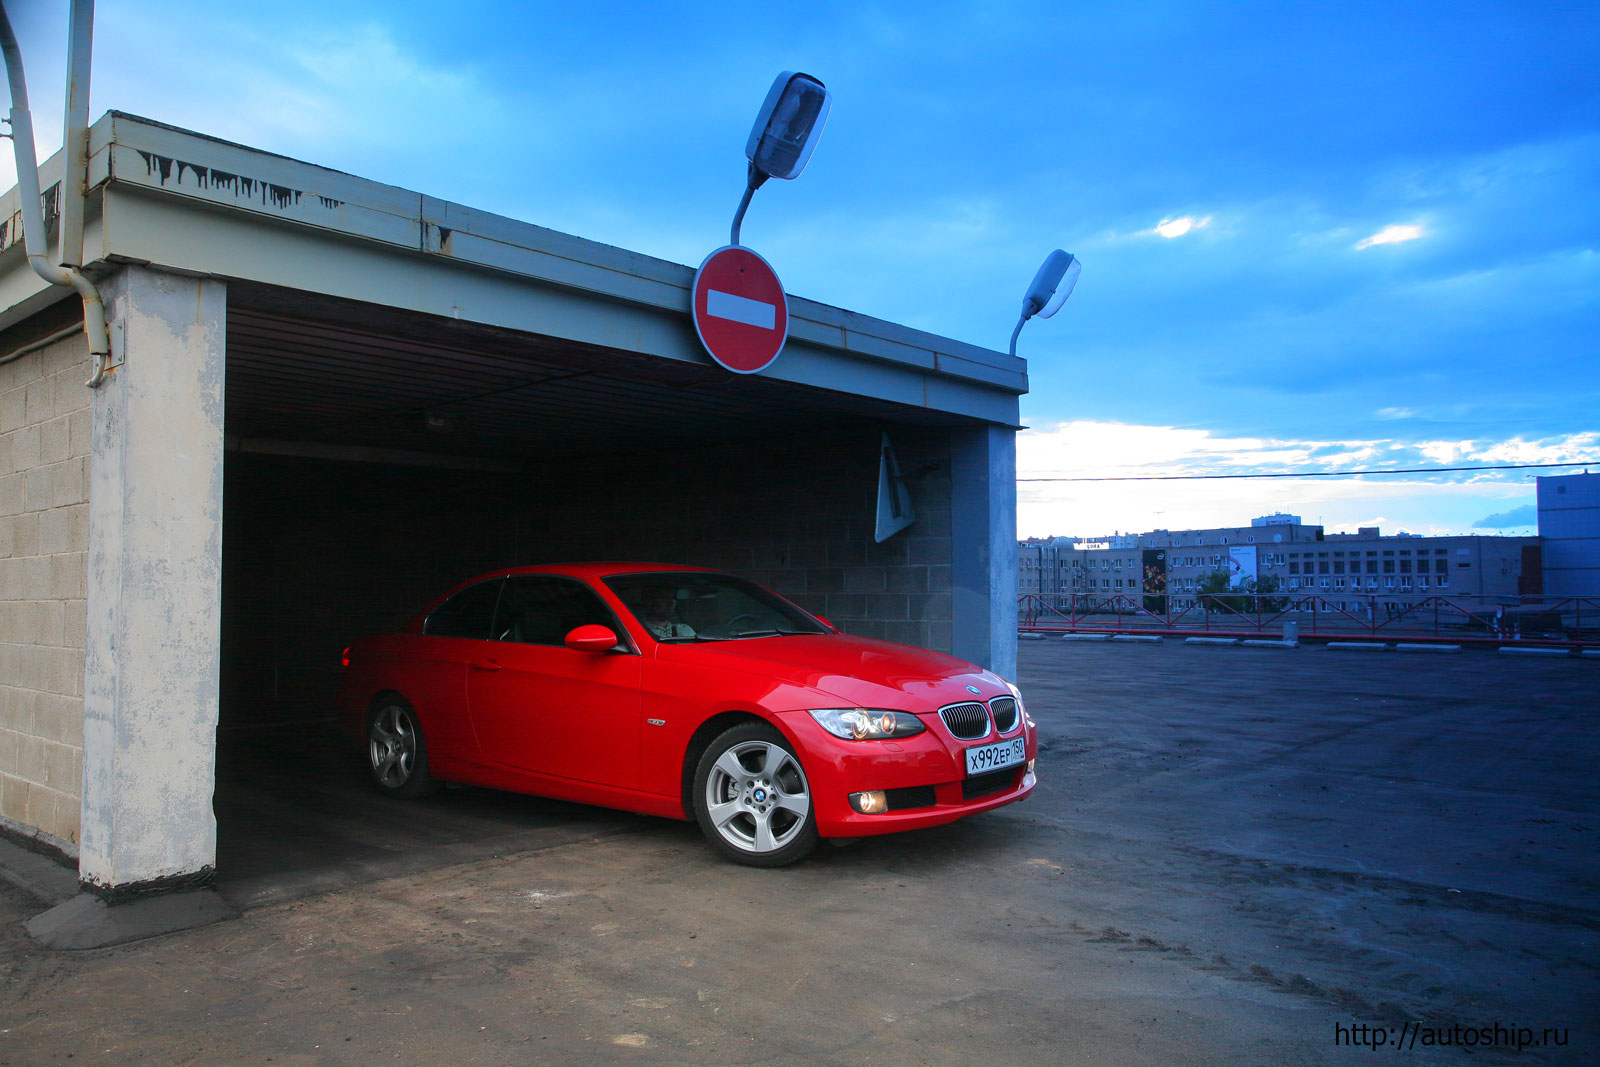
(687, 693)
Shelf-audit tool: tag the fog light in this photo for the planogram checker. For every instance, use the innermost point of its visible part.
(873, 803)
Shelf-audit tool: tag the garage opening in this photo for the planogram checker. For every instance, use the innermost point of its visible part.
(377, 457)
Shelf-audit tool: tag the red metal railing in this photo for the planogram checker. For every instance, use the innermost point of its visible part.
(1566, 622)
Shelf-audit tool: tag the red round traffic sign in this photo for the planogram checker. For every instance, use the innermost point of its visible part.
(740, 309)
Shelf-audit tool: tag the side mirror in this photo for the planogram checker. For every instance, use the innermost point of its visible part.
(824, 621)
(591, 638)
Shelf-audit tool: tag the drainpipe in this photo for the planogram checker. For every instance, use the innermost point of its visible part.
(74, 155)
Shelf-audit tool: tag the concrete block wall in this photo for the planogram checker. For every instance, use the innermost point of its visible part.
(317, 553)
(797, 517)
(44, 537)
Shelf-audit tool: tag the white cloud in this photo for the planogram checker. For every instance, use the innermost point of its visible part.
(1394, 413)
(1578, 446)
(337, 91)
(1086, 449)
(1446, 452)
(1391, 235)
(1170, 228)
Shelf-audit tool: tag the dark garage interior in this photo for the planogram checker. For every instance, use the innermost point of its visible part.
(377, 458)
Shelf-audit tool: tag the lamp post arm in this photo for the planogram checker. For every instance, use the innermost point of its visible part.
(754, 182)
(1015, 332)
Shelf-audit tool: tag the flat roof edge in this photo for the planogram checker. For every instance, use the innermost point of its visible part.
(127, 149)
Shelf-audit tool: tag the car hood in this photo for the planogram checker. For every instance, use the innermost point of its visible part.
(857, 671)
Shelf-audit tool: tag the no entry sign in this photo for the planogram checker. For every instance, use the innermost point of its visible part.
(740, 310)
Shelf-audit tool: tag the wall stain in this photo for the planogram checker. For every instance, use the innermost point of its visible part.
(241, 187)
(11, 228)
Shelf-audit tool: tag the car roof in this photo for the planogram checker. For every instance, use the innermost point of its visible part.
(592, 570)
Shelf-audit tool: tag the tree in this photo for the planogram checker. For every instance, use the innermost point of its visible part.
(1252, 594)
(1217, 595)
(1265, 585)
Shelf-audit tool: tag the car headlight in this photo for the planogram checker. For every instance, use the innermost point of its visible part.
(867, 724)
(1021, 707)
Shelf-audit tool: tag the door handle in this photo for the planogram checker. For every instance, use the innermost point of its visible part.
(486, 665)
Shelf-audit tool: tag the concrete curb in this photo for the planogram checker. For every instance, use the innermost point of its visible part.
(1030, 637)
(86, 921)
(1427, 648)
(1357, 646)
(41, 877)
(1211, 640)
(1142, 639)
(1264, 642)
(1507, 650)
(1085, 637)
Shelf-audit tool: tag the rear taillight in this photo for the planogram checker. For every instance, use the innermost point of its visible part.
(344, 658)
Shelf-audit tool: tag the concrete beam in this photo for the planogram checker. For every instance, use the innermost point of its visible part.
(154, 589)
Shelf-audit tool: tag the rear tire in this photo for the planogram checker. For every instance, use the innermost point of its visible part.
(397, 756)
(752, 800)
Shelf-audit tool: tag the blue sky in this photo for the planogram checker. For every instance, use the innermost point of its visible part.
(1315, 236)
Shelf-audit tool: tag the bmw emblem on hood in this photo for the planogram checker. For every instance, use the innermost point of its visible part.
(975, 691)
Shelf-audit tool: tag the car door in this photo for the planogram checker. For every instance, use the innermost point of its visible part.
(431, 669)
(539, 706)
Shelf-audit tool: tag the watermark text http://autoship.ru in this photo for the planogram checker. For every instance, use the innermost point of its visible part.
(1412, 1035)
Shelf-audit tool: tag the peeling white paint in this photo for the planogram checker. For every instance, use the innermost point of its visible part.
(154, 586)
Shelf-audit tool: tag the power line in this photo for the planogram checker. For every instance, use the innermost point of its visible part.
(1314, 474)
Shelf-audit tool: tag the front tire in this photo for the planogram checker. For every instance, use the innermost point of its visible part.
(752, 800)
(397, 756)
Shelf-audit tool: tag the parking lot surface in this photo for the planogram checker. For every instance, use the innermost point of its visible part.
(1234, 856)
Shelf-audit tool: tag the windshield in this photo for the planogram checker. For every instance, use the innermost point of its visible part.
(690, 606)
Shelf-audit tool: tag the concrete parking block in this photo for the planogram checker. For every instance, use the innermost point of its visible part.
(1264, 642)
(1085, 637)
(1426, 648)
(1510, 650)
(1143, 639)
(1211, 640)
(1357, 646)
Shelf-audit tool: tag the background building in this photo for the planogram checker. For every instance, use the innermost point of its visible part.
(1278, 553)
(1569, 534)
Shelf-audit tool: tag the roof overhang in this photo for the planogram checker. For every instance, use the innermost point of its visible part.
(189, 203)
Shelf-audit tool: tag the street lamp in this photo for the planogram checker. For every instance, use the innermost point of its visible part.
(1051, 286)
(785, 132)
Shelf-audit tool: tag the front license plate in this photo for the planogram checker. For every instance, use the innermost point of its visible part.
(986, 758)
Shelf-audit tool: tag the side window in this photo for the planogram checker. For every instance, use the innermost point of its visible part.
(467, 614)
(541, 611)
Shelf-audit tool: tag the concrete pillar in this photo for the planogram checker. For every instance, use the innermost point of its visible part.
(983, 547)
(154, 589)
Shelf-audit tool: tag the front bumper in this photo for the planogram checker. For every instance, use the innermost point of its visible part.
(924, 776)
